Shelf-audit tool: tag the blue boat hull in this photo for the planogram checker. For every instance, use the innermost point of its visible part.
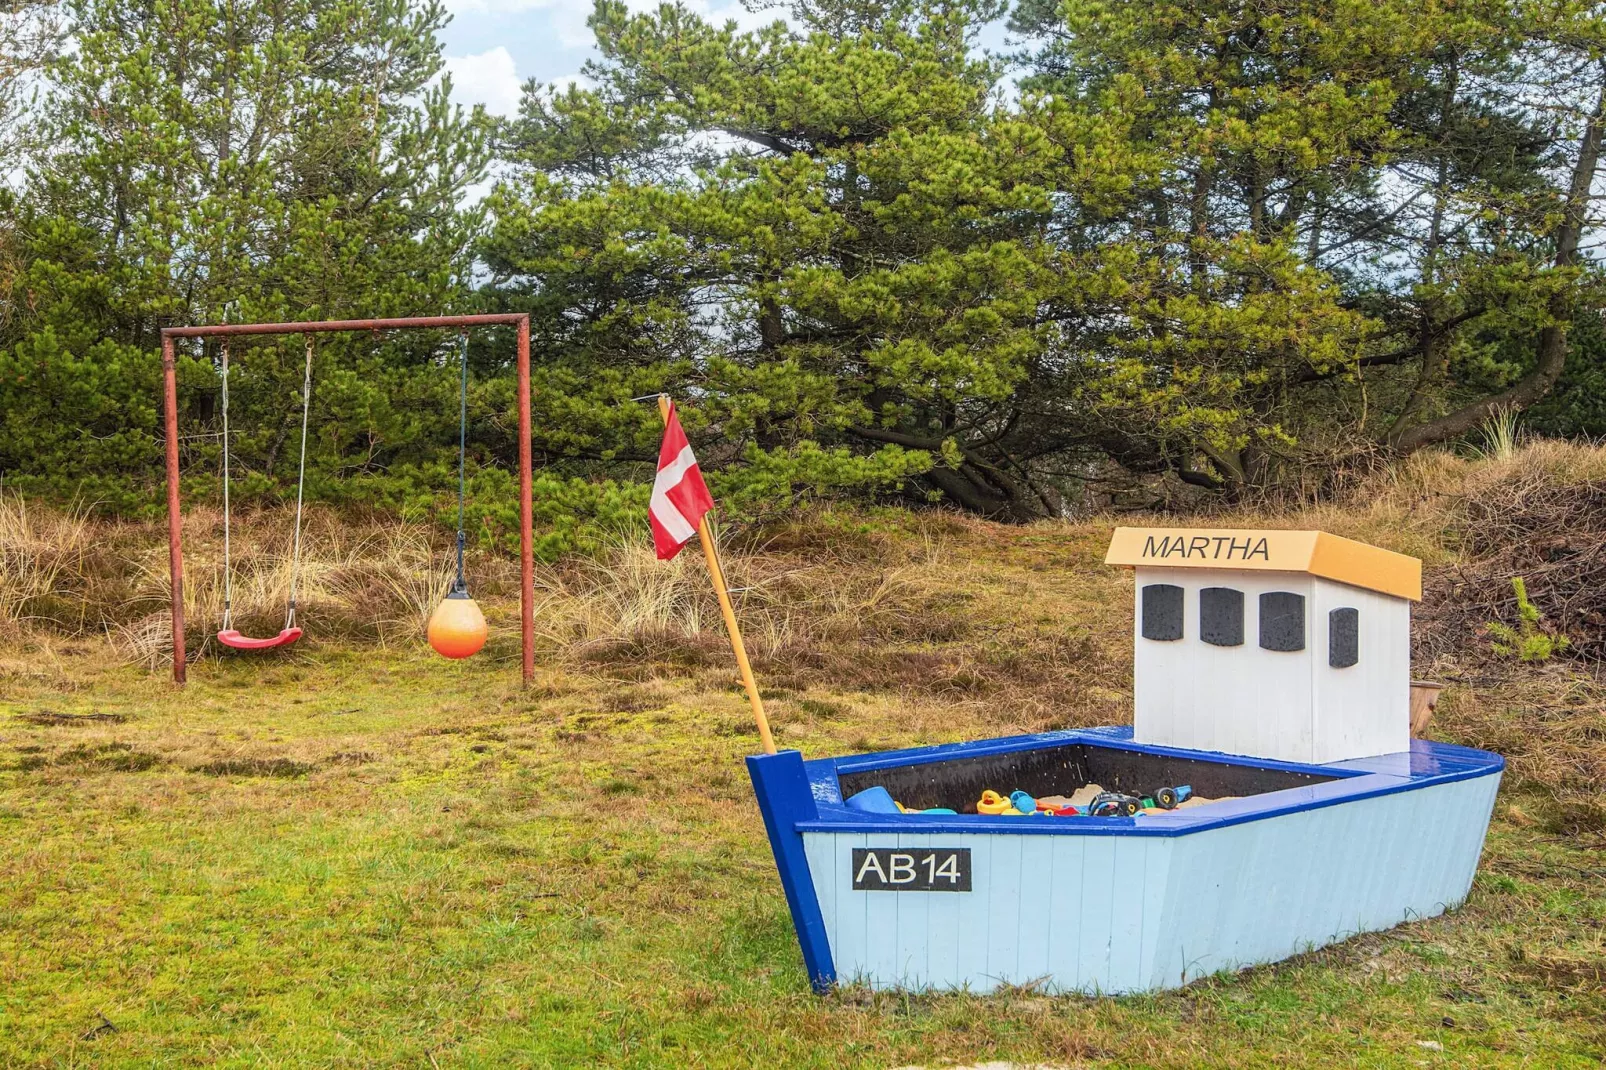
(1121, 905)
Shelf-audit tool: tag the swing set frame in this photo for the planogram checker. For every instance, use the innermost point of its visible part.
(175, 549)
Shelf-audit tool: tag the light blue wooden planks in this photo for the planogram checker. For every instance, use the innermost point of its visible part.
(1112, 913)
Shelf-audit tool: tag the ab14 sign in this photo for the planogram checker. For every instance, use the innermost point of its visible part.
(915, 869)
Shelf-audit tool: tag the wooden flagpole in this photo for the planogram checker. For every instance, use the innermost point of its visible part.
(725, 607)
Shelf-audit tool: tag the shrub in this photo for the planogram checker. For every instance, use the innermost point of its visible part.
(1528, 641)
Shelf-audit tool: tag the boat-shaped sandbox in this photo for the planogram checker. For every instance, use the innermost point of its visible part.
(1306, 855)
(1271, 684)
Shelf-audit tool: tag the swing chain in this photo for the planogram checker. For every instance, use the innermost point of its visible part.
(301, 484)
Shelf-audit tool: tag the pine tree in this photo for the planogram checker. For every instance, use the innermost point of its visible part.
(833, 236)
(235, 160)
(1364, 232)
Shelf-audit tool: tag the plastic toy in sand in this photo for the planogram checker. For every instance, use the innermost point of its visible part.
(1088, 801)
(878, 800)
(997, 805)
(1115, 804)
(1170, 798)
(1020, 804)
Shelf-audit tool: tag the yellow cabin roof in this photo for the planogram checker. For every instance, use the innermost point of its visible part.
(1315, 552)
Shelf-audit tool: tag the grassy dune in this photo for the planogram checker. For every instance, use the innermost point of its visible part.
(357, 854)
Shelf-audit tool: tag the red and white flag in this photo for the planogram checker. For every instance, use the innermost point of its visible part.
(679, 495)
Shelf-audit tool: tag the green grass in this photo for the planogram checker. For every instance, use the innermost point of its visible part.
(470, 875)
(354, 856)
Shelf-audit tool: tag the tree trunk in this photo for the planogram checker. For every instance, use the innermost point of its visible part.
(1199, 218)
(978, 485)
(1430, 376)
(1255, 195)
(771, 330)
(985, 492)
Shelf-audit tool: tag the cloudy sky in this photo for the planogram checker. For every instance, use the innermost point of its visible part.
(494, 46)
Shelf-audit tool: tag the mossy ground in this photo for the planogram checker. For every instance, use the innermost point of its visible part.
(354, 855)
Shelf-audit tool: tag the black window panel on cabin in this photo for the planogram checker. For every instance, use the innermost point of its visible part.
(1343, 637)
(1162, 611)
(1282, 621)
(1221, 616)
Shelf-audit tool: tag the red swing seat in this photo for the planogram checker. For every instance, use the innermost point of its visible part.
(232, 638)
(229, 636)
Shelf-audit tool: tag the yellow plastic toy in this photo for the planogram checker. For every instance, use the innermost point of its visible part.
(902, 809)
(993, 803)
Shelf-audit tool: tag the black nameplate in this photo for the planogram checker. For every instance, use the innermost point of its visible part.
(914, 869)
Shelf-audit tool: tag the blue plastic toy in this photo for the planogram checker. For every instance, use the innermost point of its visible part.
(876, 800)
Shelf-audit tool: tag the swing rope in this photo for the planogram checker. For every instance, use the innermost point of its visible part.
(227, 635)
(228, 570)
(460, 585)
(301, 484)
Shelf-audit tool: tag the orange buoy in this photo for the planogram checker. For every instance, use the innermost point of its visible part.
(457, 628)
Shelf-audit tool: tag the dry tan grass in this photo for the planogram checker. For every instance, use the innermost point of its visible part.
(40, 550)
(954, 624)
(376, 580)
(625, 606)
(1549, 723)
(623, 592)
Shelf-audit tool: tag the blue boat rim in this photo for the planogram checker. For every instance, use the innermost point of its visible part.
(1425, 764)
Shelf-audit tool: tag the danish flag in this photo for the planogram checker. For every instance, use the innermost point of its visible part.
(679, 495)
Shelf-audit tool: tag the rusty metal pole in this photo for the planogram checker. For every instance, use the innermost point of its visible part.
(175, 550)
(526, 508)
(234, 330)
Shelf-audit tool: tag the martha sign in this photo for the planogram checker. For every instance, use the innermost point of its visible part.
(1314, 552)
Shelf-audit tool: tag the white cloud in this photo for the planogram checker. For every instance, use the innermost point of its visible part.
(544, 34)
(490, 78)
(564, 81)
(566, 19)
(476, 193)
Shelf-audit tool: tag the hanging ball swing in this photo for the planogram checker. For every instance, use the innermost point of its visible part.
(457, 628)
